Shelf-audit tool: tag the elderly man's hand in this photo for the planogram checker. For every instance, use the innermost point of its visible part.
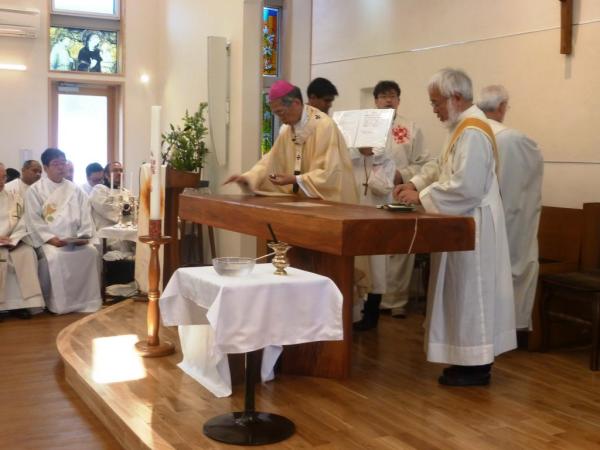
(4, 240)
(409, 196)
(282, 179)
(404, 187)
(56, 242)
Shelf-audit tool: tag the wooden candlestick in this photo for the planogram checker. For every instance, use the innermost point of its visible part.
(152, 347)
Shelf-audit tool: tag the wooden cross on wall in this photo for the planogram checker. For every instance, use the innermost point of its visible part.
(566, 26)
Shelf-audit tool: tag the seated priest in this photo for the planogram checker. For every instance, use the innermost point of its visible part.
(309, 157)
(94, 174)
(59, 221)
(30, 173)
(19, 284)
(105, 204)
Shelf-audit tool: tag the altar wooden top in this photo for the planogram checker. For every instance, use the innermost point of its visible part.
(335, 228)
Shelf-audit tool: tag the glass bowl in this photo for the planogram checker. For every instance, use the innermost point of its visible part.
(233, 266)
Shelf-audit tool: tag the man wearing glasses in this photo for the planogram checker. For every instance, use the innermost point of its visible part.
(406, 151)
(58, 218)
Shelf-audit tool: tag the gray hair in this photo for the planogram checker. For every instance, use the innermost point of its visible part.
(492, 97)
(294, 94)
(452, 82)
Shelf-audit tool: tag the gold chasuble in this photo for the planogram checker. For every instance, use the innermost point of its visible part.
(317, 153)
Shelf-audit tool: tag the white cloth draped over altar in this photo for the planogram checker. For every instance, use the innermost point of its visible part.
(219, 315)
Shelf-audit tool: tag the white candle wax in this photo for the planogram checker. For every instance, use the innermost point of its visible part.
(155, 163)
(111, 181)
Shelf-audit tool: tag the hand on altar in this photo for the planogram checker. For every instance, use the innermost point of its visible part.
(409, 196)
(282, 180)
(57, 242)
(367, 151)
(404, 187)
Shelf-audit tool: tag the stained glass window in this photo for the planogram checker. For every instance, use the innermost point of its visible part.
(271, 41)
(268, 125)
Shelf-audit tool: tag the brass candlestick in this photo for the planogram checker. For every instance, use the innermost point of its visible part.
(152, 347)
(280, 260)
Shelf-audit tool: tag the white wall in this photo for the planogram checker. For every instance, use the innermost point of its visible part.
(554, 98)
(184, 55)
(24, 95)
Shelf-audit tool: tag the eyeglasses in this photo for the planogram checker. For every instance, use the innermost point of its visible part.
(387, 96)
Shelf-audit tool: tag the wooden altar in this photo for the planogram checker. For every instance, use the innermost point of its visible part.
(326, 237)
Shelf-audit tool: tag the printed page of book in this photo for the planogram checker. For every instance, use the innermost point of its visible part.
(374, 127)
(347, 122)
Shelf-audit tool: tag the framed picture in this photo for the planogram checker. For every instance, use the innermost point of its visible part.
(84, 50)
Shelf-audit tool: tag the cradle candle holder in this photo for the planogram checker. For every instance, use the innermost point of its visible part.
(153, 347)
(280, 260)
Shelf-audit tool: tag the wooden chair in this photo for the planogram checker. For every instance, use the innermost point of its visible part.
(559, 238)
(574, 296)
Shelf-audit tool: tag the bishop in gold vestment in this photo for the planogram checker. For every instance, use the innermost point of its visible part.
(309, 157)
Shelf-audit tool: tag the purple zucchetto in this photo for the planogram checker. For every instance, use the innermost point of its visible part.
(279, 89)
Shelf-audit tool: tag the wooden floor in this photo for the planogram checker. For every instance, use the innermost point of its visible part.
(392, 400)
(38, 410)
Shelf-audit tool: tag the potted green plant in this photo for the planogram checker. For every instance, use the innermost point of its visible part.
(185, 149)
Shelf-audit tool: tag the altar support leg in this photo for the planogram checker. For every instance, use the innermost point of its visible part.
(330, 359)
(249, 427)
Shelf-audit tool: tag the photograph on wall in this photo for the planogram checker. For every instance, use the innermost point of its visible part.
(79, 50)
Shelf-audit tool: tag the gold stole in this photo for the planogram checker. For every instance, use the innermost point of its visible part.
(472, 122)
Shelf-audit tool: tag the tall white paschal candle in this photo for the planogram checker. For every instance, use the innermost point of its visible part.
(155, 163)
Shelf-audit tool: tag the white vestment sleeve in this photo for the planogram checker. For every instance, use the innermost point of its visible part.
(381, 180)
(418, 157)
(466, 187)
(86, 224)
(100, 201)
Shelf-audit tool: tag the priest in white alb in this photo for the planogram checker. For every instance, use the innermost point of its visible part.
(470, 306)
(520, 176)
(19, 285)
(30, 173)
(309, 157)
(106, 209)
(59, 221)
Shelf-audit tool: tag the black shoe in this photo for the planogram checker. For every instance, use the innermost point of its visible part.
(22, 314)
(370, 314)
(364, 325)
(468, 370)
(454, 378)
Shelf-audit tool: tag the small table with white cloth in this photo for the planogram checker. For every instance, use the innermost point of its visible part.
(218, 315)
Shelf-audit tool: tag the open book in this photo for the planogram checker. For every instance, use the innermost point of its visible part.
(365, 127)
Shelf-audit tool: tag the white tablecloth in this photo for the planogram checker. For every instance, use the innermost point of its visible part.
(124, 234)
(261, 310)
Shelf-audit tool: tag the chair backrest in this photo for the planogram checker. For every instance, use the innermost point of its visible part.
(590, 245)
(560, 234)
